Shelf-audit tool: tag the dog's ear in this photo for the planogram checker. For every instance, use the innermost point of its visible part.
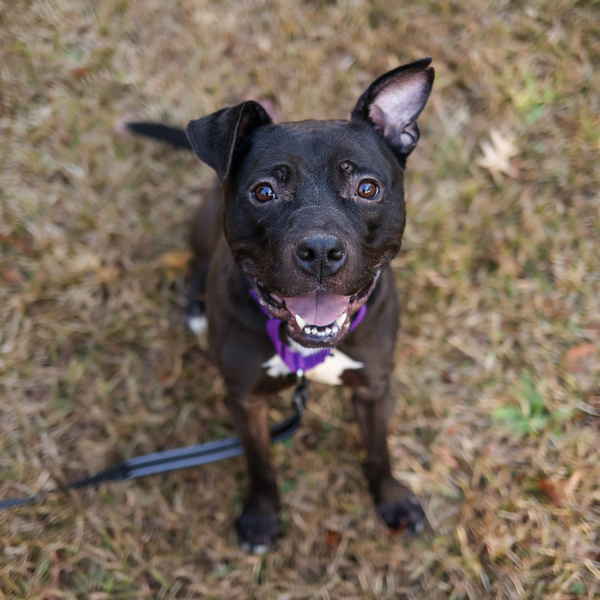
(393, 102)
(214, 138)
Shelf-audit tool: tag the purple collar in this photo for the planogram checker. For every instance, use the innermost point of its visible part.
(294, 360)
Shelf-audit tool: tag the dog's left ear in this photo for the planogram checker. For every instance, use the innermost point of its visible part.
(393, 102)
(216, 137)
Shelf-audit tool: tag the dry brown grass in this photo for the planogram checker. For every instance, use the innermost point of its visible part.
(497, 426)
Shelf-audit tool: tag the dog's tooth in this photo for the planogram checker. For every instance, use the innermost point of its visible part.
(301, 322)
(341, 319)
(314, 331)
(328, 330)
(335, 329)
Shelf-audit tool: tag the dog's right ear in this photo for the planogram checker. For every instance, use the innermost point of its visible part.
(214, 138)
(393, 102)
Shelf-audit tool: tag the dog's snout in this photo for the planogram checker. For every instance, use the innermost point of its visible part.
(321, 255)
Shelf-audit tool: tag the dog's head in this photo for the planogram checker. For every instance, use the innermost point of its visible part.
(314, 210)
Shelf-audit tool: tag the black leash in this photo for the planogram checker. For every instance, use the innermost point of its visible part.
(181, 458)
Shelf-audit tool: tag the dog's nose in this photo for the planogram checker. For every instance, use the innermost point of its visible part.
(321, 255)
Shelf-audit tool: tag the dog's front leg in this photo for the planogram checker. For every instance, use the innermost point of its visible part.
(397, 505)
(257, 527)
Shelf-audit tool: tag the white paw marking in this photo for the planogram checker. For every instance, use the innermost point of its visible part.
(260, 549)
(198, 325)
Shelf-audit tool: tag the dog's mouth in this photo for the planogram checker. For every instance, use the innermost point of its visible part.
(317, 319)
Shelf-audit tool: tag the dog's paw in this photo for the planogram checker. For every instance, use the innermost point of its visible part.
(257, 530)
(399, 507)
(198, 324)
(405, 513)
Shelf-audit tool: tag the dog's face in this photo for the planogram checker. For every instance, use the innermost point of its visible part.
(313, 214)
(315, 210)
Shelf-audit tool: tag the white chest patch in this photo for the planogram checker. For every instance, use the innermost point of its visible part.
(329, 371)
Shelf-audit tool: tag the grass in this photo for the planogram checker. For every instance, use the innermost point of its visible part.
(498, 363)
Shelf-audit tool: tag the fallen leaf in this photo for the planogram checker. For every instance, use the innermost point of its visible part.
(107, 274)
(551, 491)
(574, 355)
(65, 138)
(447, 457)
(407, 351)
(81, 72)
(16, 243)
(332, 538)
(449, 376)
(437, 280)
(12, 277)
(497, 155)
(177, 261)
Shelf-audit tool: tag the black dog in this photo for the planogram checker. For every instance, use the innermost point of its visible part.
(294, 253)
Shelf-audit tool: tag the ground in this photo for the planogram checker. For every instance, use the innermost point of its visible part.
(497, 422)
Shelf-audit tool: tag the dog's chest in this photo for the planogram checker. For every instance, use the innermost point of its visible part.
(329, 371)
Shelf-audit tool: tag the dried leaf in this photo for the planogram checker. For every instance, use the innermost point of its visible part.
(16, 243)
(12, 277)
(574, 355)
(177, 261)
(107, 274)
(449, 376)
(551, 491)
(407, 351)
(437, 280)
(81, 72)
(447, 457)
(497, 155)
(332, 538)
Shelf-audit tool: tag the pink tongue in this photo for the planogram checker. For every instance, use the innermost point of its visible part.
(317, 308)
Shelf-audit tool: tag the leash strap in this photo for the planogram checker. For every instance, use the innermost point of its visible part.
(180, 458)
(202, 454)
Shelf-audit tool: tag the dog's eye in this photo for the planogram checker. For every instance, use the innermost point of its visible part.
(264, 192)
(367, 189)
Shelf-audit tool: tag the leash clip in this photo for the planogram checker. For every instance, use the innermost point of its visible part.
(301, 393)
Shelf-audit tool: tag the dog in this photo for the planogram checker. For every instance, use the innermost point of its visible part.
(293, 252)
